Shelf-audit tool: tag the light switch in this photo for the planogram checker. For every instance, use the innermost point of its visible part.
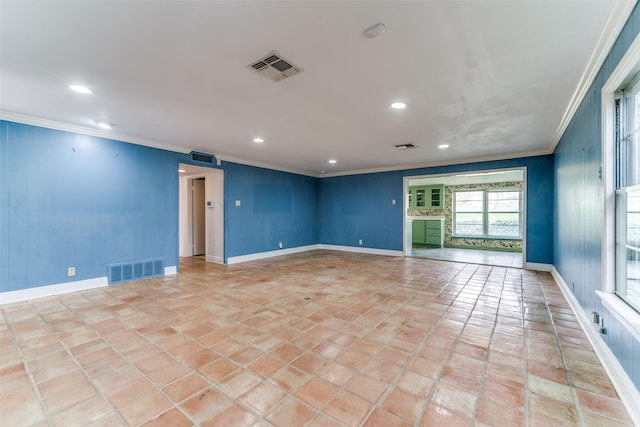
(237, 202)
(393, 201)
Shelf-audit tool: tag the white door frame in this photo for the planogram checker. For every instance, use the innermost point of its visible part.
(406, 244)
(214, 196)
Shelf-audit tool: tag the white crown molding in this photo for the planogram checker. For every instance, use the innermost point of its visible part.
(50, 124)
(231, 159)
(453, 162)
(82, 130)
(617, 19)
(625, 388)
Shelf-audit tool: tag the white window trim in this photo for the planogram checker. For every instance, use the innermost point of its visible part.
(628, 66)
(485, 214)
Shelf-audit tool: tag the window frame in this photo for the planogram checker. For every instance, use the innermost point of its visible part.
(485, 213)
(454, 213)
(621, 77)
(623, 106)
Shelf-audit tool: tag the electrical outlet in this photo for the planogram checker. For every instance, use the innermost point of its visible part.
(237, 202)
(360, 242)
(602, 329)
(393, 201)
(280, 245)
(71, 271)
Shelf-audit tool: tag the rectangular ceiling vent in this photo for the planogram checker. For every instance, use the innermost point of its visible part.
(405, 146)
(275, 67)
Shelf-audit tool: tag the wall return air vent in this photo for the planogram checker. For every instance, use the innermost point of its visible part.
(275, 67)
(405, 146)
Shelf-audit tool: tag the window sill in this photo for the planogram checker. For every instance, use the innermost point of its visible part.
(627, 316)
(517, 239)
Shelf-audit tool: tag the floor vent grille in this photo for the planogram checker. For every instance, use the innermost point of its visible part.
(119, 273)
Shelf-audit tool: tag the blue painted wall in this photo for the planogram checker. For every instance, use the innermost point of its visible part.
(274, 207)
(578, 218)
(70, 200)
(357, 207)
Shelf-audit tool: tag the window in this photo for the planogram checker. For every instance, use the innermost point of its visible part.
(487, 213)
(627, 193)
(469, 213)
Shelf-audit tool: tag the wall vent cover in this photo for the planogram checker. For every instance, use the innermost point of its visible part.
(202, 158)
(405, 146)
(275, 67)
(119, 273)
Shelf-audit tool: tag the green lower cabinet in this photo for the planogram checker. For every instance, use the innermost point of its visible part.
(418, 231)
(428, 232)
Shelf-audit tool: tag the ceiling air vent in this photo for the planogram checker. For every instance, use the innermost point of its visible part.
(275, 67)
(405, 146)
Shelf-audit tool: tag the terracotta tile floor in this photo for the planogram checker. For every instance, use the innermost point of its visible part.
(319, 339)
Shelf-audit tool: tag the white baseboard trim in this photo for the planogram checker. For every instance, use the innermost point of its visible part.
(362, 250)
(214, 259)
(51, 290)
(536, 266)
(171, 270)
(626, 389)
(270, 254)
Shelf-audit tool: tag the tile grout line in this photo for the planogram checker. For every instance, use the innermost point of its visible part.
(525, 353)
(27, 367)
(143, 374)
(564, 360)
(415, 299)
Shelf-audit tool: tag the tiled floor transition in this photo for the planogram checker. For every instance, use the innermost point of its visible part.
(475, 256)
(318, 339)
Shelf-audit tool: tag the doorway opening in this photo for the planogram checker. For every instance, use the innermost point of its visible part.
(198, 222)
(201, 213)
(476, 217)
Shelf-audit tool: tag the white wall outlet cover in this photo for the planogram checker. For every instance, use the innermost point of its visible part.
(393, 201)
(71, 271)
(237, 202)
(280, 245)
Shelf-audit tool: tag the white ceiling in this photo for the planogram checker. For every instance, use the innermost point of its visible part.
(490, 78)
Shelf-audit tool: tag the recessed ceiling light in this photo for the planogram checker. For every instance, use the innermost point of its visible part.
(104, 125)
(332, 161)
(443, 146)
(399, 105)
(323, 171)
(258, 140)
(80, 89)
(182, 170)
